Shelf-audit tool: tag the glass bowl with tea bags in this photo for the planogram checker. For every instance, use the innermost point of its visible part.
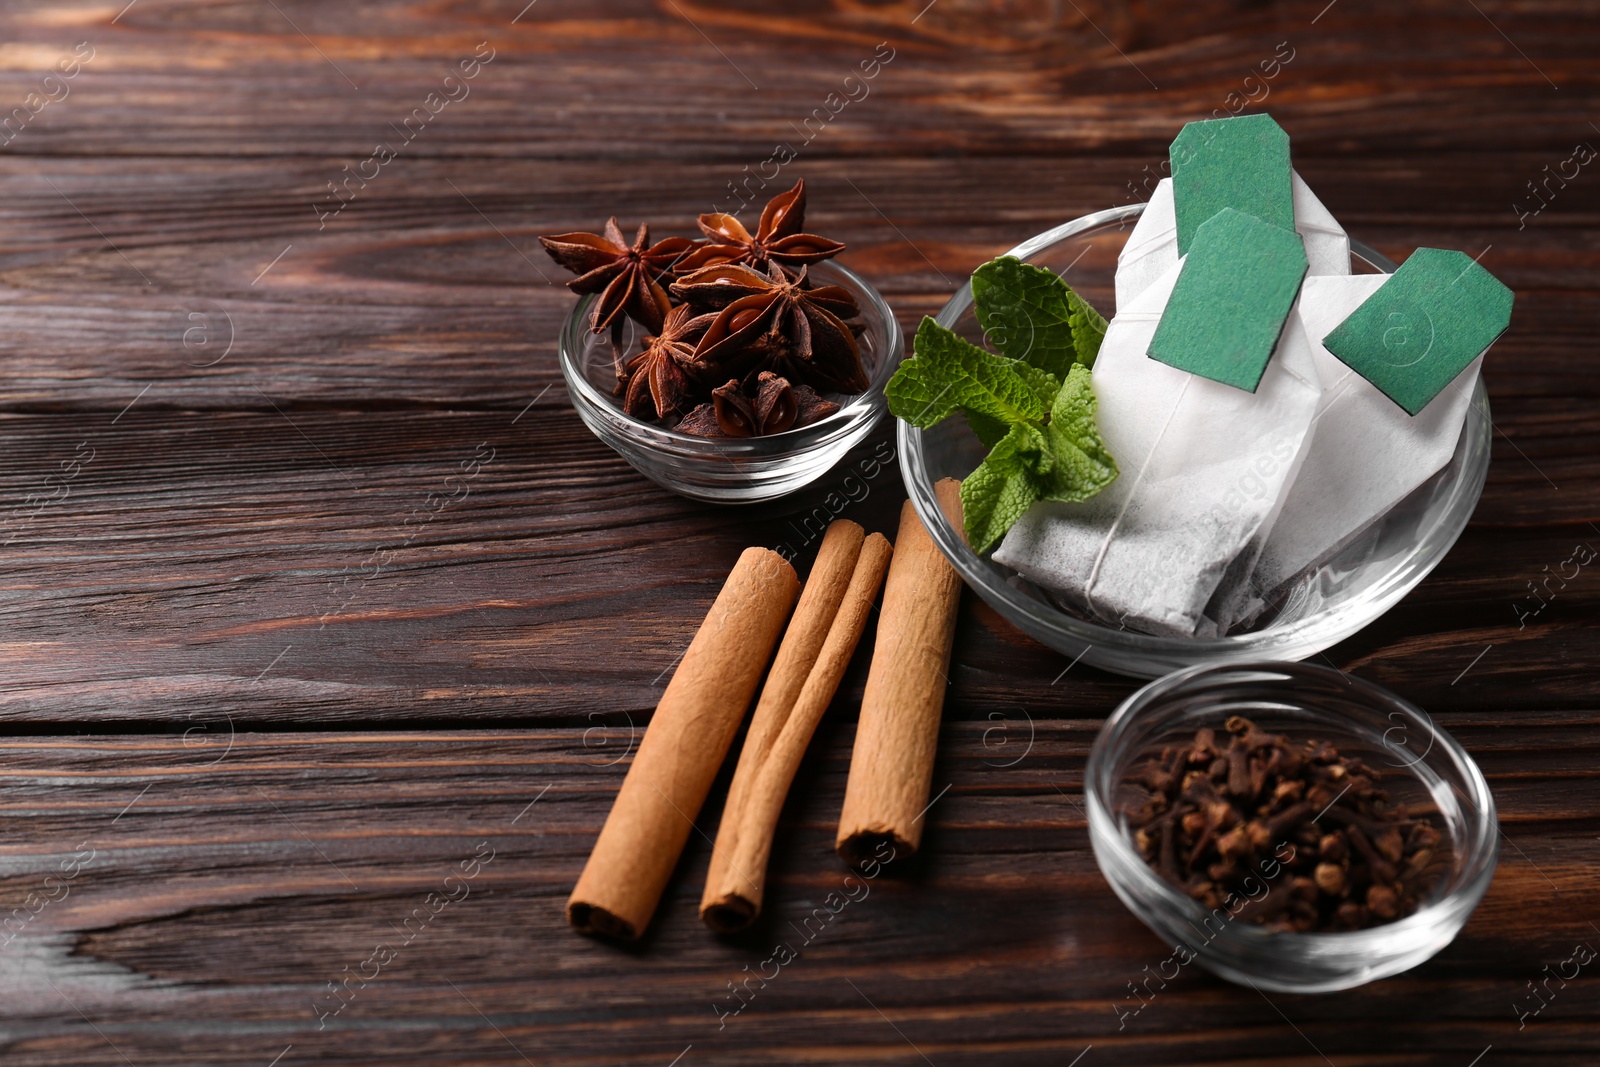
(1240, 526)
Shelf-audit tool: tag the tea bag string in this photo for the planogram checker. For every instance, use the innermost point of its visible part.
(1127, 498)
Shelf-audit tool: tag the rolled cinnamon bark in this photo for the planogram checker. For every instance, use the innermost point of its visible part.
(820, 598)
(891, 767)
(688, 737)
(736, 882)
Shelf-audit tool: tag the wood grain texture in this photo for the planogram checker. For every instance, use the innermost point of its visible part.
(623, 79)
(228, 419)
(228, 883)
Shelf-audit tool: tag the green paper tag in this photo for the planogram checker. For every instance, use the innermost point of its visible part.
(1423, 326)
(1231, 300)
(1241, 163)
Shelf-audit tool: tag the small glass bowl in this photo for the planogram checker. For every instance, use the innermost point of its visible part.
(1318, 609)
(1418, 763)
(738, 470)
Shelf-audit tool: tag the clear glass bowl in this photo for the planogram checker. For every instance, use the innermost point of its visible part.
(1419, 763)
(1320, 609)
(741, 470)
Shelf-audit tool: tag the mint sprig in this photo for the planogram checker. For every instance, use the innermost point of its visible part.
(1032, 404)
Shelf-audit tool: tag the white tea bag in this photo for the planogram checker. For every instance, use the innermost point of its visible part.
(1152, 248)
(1203, 466)
(1366, 454)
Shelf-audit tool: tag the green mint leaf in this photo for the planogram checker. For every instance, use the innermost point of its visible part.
(1078, 465)
(1024, 449)
(1044, 384)
(1088, 327)
(1025, 313)
(992, 501)
(947, 372)
(986, 429)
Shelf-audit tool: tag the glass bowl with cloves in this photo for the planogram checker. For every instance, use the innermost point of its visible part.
(1287, 826)
(733, 367)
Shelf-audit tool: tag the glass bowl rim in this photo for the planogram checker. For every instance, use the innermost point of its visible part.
(1471, 870)
(796, 439)
(1310, 630)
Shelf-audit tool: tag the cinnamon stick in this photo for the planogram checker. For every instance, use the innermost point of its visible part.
(779, 734)
(802, 642)
(891, 767)
(688, 737)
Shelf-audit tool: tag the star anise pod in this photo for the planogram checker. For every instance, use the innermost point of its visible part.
(776, 407)
(627, 277)
(663, 379)
(777, 238)
(775, 317)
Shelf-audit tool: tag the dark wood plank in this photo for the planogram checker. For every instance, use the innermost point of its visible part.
(293, 566)
(205, 282)
(630, 80)
(220, 886)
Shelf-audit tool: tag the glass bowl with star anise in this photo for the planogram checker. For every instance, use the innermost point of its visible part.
(735, 367)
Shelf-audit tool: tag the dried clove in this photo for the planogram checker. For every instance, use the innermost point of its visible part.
(1295, 837)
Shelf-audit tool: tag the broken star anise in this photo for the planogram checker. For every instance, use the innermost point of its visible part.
(662, 379)
(776, 407)
(627, 277)
(777, 238)
(775, 319)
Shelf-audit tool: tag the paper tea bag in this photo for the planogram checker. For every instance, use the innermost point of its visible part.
(1152, 248)
(1366, 454)
(1204, 466)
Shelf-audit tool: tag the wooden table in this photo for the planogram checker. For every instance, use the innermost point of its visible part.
(270, 675)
